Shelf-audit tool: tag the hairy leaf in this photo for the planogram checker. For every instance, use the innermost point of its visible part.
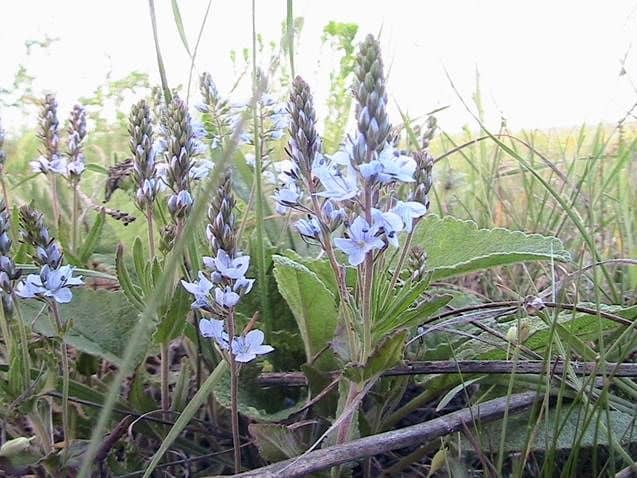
(313, 305)
(455, 247)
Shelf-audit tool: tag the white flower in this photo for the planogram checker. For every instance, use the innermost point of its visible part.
(246, 348)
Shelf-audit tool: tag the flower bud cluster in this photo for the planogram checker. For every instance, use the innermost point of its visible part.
(182, 136)
(8, 271)
(181, 147)
(50, 160)
(223, 283)
(75, 143)
(216, 112)
(140, 130)
(54, 281)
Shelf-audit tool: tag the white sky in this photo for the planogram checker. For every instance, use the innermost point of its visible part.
(542, 63)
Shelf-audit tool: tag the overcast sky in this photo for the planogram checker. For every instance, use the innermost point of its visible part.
(542, 63)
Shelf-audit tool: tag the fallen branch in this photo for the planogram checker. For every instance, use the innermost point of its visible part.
(366, 447)
(528, 367)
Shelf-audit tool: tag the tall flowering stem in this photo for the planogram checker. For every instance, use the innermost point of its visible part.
(76, 164)
(258, 181)
(357, 191)
(374, 127)
(53, 286)
(181, 148)
(217, 293)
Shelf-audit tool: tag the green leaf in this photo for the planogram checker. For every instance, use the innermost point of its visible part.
(101, 322)
(386, 355)
(140, 264)
(131, 290)
(561, 430)
(173, 321)
(455, 247)
(180, 26)
(415, 315)
(313, 305)
(253, 401)
(276, 442)
(89, 244)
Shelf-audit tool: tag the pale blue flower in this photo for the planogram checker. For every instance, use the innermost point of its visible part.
(390, 223)
(76, 167)
(408, 211)
(148, 191)
(287, 197)
(226, 297)
(243, 285)
(395, 166)
(213, 329)
(331, 212)
(200, 289)
(50, 283)
(309, 228)
(42, 165)
(362, 239)
(180, 203)
(338, 185)
(227, 267)
(246, 348)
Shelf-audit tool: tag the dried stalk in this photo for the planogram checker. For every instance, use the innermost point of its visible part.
(384, 442)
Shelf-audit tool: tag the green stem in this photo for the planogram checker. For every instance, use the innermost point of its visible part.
(54, 201)
(151, 232)
(164, 371)
(75, 225)
(66, 374)
(401, 262)
(368, 282)
(262, 279)
(234, 397)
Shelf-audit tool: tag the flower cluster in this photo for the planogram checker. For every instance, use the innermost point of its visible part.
(140, 129)
(75, 143)
(216, 113)
(182, 145)
(8, 271)
(359, 185)
(50, 161)
(54, 280)
(221, 286)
